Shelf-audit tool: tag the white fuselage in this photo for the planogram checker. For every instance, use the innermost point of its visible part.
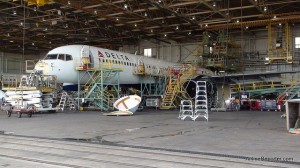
(62, 62)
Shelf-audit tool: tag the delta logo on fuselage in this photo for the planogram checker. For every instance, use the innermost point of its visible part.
(113, 56)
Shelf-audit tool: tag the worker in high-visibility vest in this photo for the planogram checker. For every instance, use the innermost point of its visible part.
(237, 102)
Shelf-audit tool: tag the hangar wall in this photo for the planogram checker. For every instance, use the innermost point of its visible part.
(251, 42)
(11, 63)
(171, 51)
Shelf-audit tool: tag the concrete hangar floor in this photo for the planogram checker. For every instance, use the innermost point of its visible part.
(149, 138)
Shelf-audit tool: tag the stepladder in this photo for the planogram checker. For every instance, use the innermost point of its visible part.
(201, 101)
(186, 109)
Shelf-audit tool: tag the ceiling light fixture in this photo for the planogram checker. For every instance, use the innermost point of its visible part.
(135, 25)
(165, 35)
(177, 27)
(15, 12)
(34, 9)
(193, 17)
(146, 14)
(265, 9)
(214, 4)
(95, 12)
(125, 6)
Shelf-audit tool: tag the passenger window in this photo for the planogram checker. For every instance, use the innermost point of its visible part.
(61, 56)
(68, 57)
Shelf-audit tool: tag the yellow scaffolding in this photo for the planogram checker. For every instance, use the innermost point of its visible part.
(279, 47)
(39, 2)
(177, 78)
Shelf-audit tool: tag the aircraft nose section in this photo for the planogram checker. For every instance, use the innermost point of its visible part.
(43, 66)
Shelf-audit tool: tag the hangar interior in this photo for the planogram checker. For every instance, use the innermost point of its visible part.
(225, 60)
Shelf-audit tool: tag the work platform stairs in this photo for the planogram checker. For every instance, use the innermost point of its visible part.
(201, 104)
(103, 99)
(178, 75)
(156, 88)
(289, 93)
(96, 89)
(67, 101)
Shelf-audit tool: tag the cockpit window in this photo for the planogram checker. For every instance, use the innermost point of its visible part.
(68, 57)
(51, 56)
(64, 57)
(61, 56)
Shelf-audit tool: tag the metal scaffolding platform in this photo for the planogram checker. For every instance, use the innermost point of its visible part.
(101, 88)
(279, 43)
(177, 77)
(153, 85)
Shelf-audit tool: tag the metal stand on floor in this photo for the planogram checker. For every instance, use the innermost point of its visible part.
(186, 109)
(201, 103)
(66, 101)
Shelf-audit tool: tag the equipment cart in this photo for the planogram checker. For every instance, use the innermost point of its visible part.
(19, 109)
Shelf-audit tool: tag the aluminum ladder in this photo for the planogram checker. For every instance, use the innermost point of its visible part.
(201, 101)
(186, 109)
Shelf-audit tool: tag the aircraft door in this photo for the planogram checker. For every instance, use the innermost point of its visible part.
(141, 66)
(87, 57)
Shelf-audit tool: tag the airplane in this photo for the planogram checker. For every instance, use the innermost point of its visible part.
(62, 63)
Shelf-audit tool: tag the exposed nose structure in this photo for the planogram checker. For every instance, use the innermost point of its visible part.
(43, 66)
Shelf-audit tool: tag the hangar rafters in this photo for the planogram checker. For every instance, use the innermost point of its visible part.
(119, 22)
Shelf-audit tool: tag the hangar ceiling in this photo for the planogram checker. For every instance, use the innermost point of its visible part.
(113, 23)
